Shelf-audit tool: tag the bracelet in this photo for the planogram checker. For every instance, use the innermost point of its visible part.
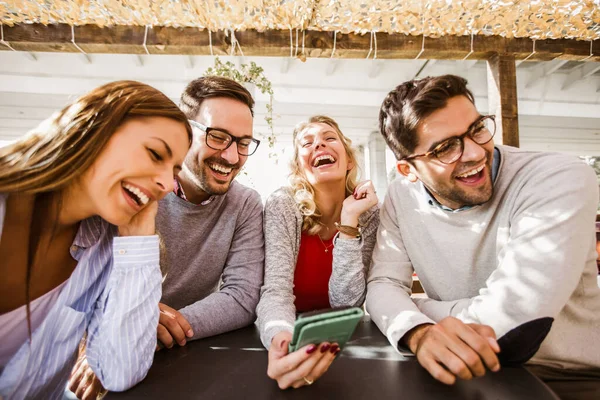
(348, 230)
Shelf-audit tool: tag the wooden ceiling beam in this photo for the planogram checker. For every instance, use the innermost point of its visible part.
(191, 41)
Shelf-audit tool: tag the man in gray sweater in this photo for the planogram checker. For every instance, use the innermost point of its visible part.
(211, 227)
(501, 239)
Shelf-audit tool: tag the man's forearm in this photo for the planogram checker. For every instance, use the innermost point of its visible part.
(437, 310)
(218, 313)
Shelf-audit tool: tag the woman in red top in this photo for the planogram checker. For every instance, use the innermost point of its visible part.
(319, 236)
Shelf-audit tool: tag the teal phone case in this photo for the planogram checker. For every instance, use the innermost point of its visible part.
(331, 325)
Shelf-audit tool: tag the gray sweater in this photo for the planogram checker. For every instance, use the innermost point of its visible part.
(528, 253)
(215, 259)
(283, 231)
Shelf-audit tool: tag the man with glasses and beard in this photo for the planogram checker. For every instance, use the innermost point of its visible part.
(500, 238)
(211, 226)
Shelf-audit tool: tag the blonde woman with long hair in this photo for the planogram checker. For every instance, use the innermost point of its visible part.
(78, 250)
(319, 236)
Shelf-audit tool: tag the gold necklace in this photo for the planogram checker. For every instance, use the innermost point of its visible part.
(328, 246)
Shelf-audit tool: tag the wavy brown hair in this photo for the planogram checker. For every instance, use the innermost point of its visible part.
(64, 146)
(303, 191)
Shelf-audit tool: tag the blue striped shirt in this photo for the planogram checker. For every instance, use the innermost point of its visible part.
(113, 294)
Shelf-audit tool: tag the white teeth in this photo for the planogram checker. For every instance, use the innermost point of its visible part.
(221, 168)
(470, 173)
(140, 195)
(323, 157)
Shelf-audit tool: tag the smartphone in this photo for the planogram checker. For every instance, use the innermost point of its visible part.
(333, 325)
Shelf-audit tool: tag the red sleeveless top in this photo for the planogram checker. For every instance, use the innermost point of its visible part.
(313, 270)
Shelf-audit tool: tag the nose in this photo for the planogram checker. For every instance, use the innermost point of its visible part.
(165, 180)
(230, 154)
(319, 142)
(472, 151)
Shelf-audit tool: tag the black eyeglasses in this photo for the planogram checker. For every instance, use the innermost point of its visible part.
(217, 139)
(450, 150)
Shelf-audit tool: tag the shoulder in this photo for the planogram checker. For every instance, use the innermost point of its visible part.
(400, 186)
(282, 197)
(545, 169)
(545, 178)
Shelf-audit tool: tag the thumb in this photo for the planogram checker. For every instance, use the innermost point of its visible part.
(279, 348)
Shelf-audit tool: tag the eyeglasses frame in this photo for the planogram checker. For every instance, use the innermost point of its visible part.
(207, 129)
(461, 137)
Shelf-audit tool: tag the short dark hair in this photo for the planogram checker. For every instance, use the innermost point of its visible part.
(208, 87)
(408, 104)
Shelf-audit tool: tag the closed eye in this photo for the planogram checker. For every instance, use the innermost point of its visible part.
(154, 155)
(306, 144)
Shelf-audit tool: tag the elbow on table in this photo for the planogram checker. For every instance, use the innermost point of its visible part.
(120, 383)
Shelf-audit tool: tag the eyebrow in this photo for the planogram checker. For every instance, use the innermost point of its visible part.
(311, 135)
(226, 131)
(167, 147)
(436, 144)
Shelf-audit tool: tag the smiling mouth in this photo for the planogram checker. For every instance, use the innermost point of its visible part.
(472, 176)
(323, 160)
(220, 169)
(136, 194)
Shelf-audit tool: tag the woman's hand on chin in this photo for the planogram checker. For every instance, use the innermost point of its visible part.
(142, 223)
(363, 198)
(303, 366)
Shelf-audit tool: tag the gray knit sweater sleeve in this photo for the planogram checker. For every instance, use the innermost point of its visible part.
(283, 227)
(351, 261)
(276, 311)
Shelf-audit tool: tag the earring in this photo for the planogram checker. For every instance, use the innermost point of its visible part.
(412, 177)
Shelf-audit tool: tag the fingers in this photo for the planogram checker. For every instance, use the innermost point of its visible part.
(179, 328)
(92, 391)
(290, 371)
(279, 345)
(278, 367)
(453, 349)
(436, 356)
(143, 223)
(467, 349)
(480, 346)
(364, 189)
(164, 336)
(436, 370)
(76, 367)
(77, 374)
(87, 380)
(313, 371)
(488, 333)
(485, 344)
(324, 363)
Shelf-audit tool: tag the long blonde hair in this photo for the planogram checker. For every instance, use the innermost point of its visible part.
(64, 146)
(303, 191)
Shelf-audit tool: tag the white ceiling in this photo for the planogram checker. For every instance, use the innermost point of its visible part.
(560, 107)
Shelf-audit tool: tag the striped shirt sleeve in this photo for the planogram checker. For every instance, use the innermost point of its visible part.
(122, 331)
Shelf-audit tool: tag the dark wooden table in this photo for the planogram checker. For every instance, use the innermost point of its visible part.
(234, 365)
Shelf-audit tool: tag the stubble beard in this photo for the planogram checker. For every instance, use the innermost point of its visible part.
(472, 197)
(201, 179)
